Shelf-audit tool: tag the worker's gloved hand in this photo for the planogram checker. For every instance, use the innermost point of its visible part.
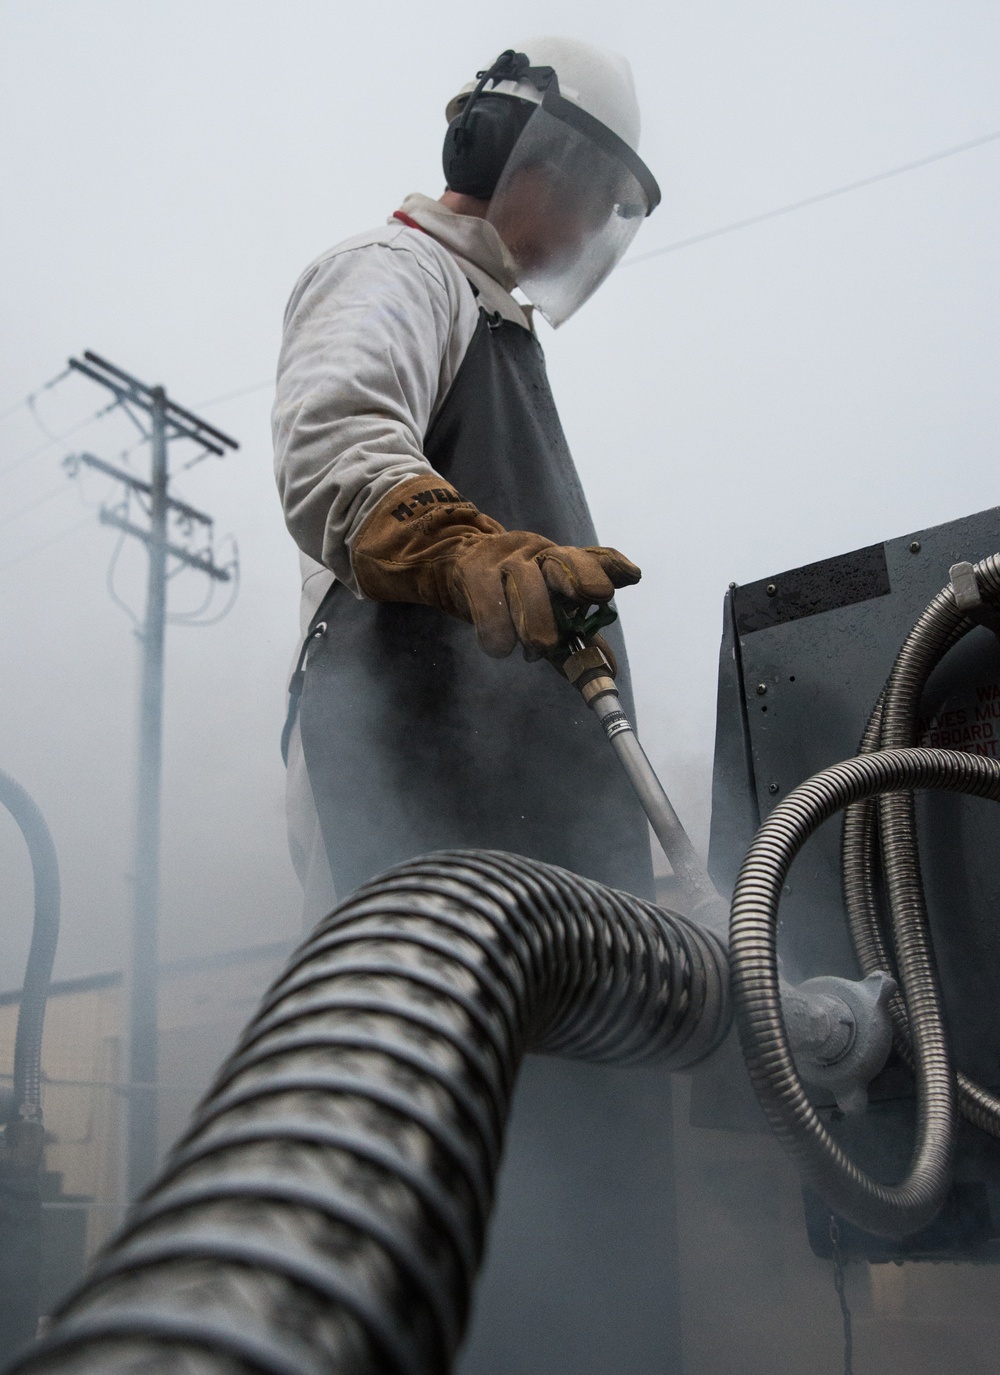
(423, 543)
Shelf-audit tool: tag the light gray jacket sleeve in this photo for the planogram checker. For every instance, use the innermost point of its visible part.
(373, 336)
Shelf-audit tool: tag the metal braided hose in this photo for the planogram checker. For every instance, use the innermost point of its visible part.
(42, 953)
(891, 1210)
(23, 1136)
(888, 828)
(327, 1209)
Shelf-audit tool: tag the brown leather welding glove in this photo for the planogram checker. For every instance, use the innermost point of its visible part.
(423, 543)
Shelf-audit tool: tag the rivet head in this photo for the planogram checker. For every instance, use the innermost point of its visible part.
(915, 546)
(761, 689)
(771, 589)
(772, 787)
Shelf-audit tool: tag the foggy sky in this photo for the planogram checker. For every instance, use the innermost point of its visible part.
(783, 394)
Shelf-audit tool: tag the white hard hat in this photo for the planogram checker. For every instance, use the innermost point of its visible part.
(548, 136)
(596, 79)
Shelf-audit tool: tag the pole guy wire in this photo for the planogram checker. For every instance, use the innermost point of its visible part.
(812, 200)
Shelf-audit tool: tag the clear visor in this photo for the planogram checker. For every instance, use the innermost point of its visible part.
(567, 208)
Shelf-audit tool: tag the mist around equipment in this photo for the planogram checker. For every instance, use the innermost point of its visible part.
(775, 396)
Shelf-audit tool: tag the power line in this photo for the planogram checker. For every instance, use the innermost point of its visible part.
(196, 619)
(30, 398)
(33, 505)
(36, 417)
(232, 395)
(110, 583)
(40, 501)
(57, 439)
(37, 548)
(191, 617)
(674, 247)
(812, 200)
(235, 592)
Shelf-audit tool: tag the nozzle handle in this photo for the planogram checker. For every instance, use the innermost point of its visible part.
(575, 622)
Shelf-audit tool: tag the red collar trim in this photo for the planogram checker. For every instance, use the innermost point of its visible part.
(410, 223)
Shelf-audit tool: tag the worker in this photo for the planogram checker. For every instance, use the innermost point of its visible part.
(426, 479)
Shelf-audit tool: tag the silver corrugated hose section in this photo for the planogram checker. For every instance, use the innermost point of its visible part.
(41, 955)
(888, 828)
(327, 1209)
(23, 1135)
(887, 1210)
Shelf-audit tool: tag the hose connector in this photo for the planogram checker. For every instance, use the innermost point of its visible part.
(840, 1033)
(591, 672)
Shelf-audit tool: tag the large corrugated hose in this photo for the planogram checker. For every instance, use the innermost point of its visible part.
(876, 788)
(327, 1209)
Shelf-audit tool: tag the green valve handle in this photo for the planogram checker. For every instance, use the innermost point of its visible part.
(574, 622)
(577, 626)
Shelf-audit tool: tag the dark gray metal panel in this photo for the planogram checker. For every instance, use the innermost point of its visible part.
(958, 842)
(824, 586)
(800, 690)
(735, 817)
(809, 684)
(800, 670)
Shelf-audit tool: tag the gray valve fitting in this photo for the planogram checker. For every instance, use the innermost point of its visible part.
(840, 1033)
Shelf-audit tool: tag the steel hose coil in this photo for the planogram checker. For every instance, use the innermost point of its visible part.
(327, 1209)
(42, 952)
(886, 831)
(890, 1210)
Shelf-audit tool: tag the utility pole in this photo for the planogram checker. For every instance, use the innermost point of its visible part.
(167, 421)
(144, 980)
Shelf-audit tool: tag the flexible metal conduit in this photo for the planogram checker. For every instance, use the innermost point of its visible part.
(890, 825)
(41, 956)
(887, 1210)
(327, 1209)
(22, 1139)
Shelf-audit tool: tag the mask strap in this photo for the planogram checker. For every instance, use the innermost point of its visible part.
(509, 66)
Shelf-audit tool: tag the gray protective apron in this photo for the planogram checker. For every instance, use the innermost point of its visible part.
(414, 741)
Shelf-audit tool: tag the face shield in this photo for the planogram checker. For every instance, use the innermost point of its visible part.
(569, 202)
